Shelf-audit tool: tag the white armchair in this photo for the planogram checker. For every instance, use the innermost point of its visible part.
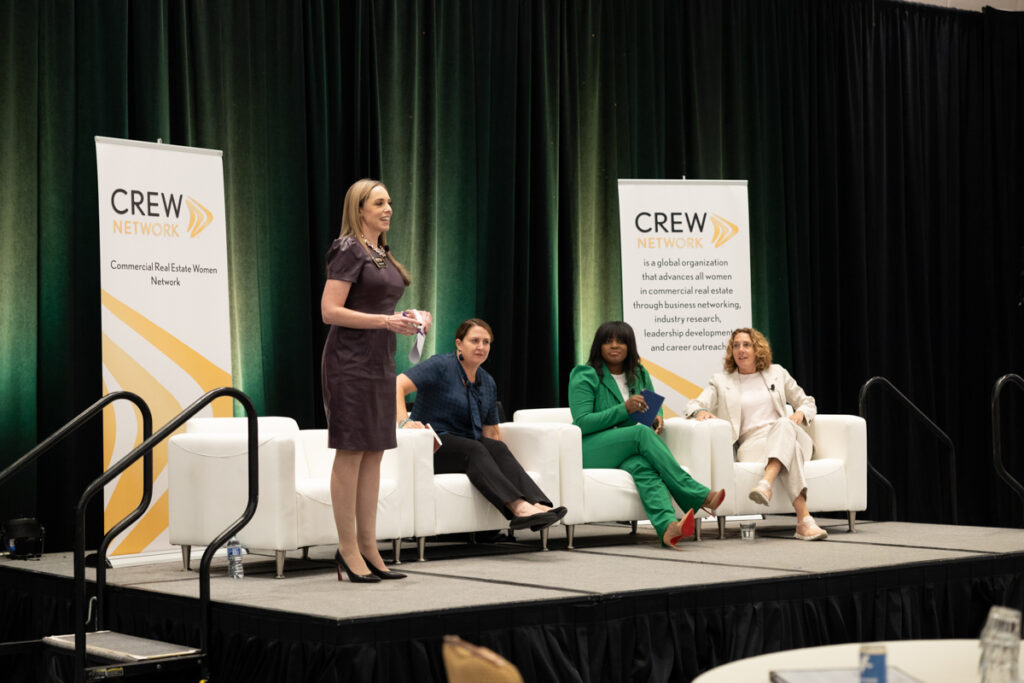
(608, 495)
(836, 473)
(449, 503)
(207, 485)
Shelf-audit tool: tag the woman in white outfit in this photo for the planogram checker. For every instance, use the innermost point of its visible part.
(752, 395)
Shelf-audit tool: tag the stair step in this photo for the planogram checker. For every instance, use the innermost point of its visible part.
(121, 647)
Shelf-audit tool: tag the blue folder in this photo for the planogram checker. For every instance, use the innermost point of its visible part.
(654, 402)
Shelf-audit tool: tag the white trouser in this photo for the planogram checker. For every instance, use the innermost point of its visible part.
(789, 444)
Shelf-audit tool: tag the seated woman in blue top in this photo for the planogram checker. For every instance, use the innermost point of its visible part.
(459, 400)
(602, 396)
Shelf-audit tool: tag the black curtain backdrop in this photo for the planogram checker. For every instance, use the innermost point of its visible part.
(882, 143)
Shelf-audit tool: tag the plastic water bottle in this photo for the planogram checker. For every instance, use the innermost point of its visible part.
(235, 570)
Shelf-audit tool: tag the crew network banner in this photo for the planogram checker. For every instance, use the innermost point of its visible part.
(164, 308)
(685, 277)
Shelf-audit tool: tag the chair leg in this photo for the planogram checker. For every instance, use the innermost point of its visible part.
(421, 545)
(721, 526)
(633, 527)
(697, 524)
(851, 518)
(570, 533)
(305, 552)
(279, 563)
(396, 544)
(544, 538)
(186, 557)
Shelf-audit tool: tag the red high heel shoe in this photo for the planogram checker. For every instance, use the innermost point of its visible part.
(679, 530)
(716, 500)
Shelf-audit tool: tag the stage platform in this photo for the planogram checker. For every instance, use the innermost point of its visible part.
(619, 607)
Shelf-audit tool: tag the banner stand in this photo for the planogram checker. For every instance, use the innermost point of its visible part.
(164, 310)
(685, 277)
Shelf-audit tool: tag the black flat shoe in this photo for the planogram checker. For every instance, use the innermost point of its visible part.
(535, 521)
(558, 512)
(383, 574)
(352, 576)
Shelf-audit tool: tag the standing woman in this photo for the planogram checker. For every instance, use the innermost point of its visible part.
(752, 395)
(364, 281)
(602, 395)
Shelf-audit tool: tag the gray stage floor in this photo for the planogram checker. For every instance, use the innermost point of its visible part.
(607, 561)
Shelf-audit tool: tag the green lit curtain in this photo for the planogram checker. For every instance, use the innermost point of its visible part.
(881, 142)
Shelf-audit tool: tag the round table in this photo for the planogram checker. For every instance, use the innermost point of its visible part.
(927, 660)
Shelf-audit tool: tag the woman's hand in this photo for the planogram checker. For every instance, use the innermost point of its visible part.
(636, 404)
(400, 324)
(427, 319)
(413, 424)
(797, 417)
(658, 425)
(702, 415)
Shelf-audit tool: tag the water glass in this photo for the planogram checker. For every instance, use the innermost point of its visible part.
(1000, 646)
(747, 530)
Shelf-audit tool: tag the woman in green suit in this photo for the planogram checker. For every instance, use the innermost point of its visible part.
(602, 395)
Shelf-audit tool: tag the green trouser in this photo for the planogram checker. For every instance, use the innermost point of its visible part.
(656, 472)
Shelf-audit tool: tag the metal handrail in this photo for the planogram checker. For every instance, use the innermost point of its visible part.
(934, 428)
(997, 437)
(147, 477)
(204, 566)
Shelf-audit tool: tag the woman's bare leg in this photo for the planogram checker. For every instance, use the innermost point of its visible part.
(345, 474)
(367, 493)
(771, 470)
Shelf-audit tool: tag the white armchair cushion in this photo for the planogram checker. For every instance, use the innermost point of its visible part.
(267, 425)
(207, 488)
(207, 482)
(604, 495)
(836, 473)
(449, 503)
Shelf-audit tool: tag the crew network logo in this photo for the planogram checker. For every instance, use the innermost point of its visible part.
(724, 230)
(198, 217)
(157, 214)
(683, 229)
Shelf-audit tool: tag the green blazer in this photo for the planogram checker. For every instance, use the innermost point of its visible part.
(596, 402)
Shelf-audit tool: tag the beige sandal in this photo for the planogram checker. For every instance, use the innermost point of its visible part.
(762, 493)
(815, 532)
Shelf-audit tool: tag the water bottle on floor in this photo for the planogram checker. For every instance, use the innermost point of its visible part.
(235, 570)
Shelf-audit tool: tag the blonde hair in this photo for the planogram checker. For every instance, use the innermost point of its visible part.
(354, 198)
(762, 350)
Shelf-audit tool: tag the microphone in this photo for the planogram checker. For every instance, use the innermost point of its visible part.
(771, 388)
(386, 248)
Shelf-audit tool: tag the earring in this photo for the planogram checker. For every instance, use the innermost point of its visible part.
(458, 354)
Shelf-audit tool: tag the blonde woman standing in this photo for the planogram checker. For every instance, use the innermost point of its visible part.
(364, 282)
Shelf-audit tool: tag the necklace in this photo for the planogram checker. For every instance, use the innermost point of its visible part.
(374, 247)
(380, 260)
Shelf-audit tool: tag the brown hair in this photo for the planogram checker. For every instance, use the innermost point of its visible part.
(354, 198)
(466, 326)
(762, 350)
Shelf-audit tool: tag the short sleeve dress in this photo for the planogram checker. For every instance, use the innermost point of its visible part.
(358, 366)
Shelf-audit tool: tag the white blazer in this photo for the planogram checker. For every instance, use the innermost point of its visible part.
(722, 397)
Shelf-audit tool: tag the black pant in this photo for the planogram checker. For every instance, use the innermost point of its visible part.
(491, 468)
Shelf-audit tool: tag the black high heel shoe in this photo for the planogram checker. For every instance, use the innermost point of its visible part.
(352, 576)
(382, 574)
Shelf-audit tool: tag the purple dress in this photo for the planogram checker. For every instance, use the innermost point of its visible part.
(358, 366)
